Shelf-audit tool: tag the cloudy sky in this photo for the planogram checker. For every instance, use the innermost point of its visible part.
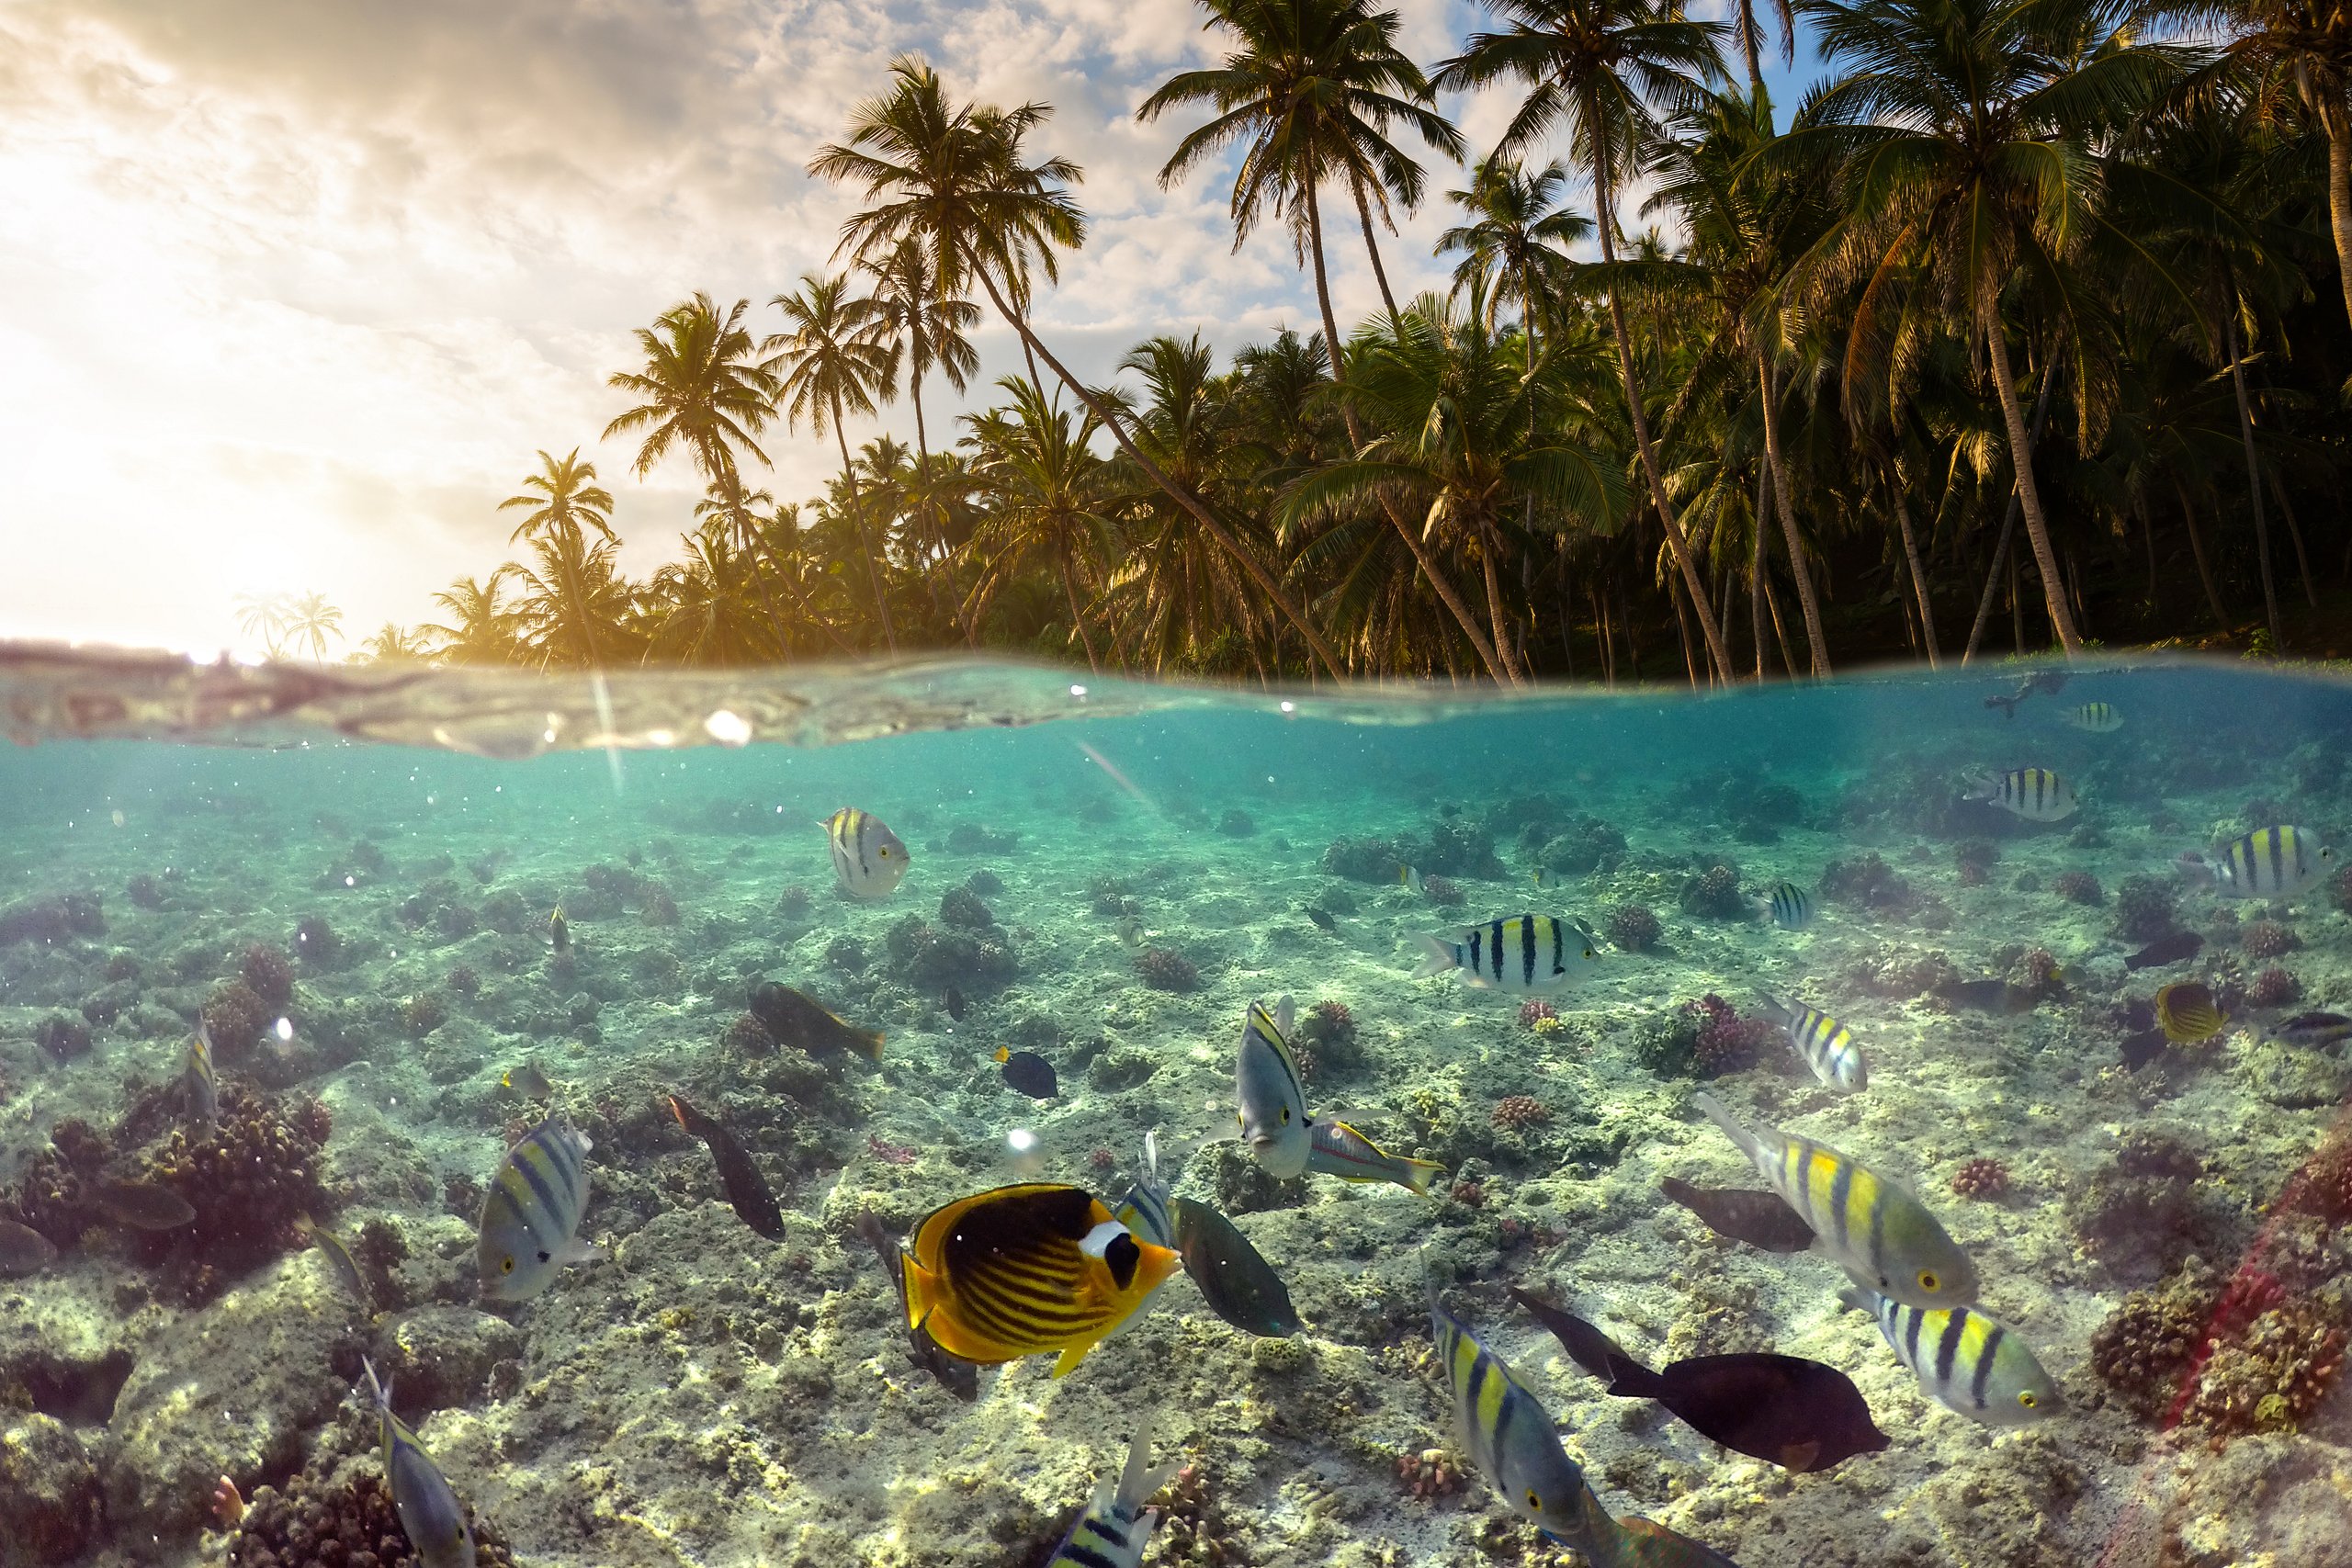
(291, 291)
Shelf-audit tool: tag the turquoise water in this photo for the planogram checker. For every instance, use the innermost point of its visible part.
(366, 926)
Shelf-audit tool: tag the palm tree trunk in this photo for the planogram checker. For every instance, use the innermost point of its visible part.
(1745, 29)
(2295, 533)
(2337, 119)
(1816, 644)
(1755, 565)
(2253, 473)
(2009, 526)
(1487, 550)
(1779, 632)
(1918, 578)
(857, 520)
(1069, 592)
(2204, 571)
(2037, 526)
(1379, 273)
(1680, 546)
(1422, 556)
(1031, 343)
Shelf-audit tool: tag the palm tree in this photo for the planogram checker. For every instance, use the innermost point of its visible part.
(1054, 502)
(958, 182)
(1603, 69)
(706, 600)
(701, 389)
(263, 615)
(833, 360)
(925, 327)
(391, 644)
(565, 503)
(480, 629)
(309, 619)
(1514, 245)
(574, 609)
(1965, 129)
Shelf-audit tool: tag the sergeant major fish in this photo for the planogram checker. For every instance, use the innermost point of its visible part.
(1968, 1362)
(2270, 862)
(1788, 906)
(1827, 1046)
(1116, 1528)
(428, 1508)
(1524, 953)
(2097, 718)
(1879, 1233)
(2035, 794)
(1271, 1097)
(531, 1212)
(869, 861)
(1510, 1438)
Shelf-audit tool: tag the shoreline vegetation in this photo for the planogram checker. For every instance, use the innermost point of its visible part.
(1771, 431)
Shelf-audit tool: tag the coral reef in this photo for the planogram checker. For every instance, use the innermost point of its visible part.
(50, 1505)
(2273, 987)
(1586, 845)
(1868, 881)
(1726, 1042)
(794, 902)
(1633, 928)
(984, 883)
(1165, 969)
(1444, 891)
(2272, 1376)
(962, 908)
(236, 1015)
(1326, 1040)
(1519, 1113)
(2267, 939)
(317, 942)
(51, 920)
(1236, 824)
(2147, 1345)
(1713, 894)
(311, 1524)
(63, 1037)
(932, 957)
(1535, 1012)
(268, 972)
(1666, 1043)
(2077, 887)
(1982, 1178)
(2144, 907)
(246, 1176)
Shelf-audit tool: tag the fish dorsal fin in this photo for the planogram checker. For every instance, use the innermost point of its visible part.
(1285, 1015)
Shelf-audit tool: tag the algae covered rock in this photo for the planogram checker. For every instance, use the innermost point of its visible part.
(228, 1391)
(49, 1493)
(440, 1356)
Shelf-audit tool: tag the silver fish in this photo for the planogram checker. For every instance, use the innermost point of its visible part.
(1968, 1362)
(531, 1212)
(1827, 1046)
(1509, 1435)
(1267, 1088)
(869, 861)
(428, 1508)
(2035, 794)
(1337, 1149)
(1116, 1528)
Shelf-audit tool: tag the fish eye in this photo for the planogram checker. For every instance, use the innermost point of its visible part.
(507, 1266)
(1286, 1115)
(1928, 1280)
(1534, 1502)
(2028, 1399)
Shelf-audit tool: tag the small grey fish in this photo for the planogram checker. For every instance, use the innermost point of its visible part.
(338, 1257)
(1237, 1281)
(199, 1084)
(143, 1205)
(2317, 1030)
(428, 1508)
(23, 1250)
(1269, 1091)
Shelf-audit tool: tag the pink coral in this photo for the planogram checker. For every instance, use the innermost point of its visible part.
(1517, 1112)
(889, 1152)
(1726, 1042)
(2273, 987)
(1982, 1178)
(1534, 1012)
(2268, 938)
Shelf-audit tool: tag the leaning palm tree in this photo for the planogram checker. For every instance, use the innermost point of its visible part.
(309, 619)
(1604, 69)
(480, 629)
(834, 360)
(958, 182)
(702, 389)
(566, 504)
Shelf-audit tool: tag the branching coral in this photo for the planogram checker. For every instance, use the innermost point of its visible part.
(2268, 938)
(1713, 894)
(2144, 907)
(1519, 1113)
(1982, 1178)
(2077, 887)
(1633, 928)
(2273, 987)
(269, 974)
(314, 1525)
(1165, 969)
(1726, 1042)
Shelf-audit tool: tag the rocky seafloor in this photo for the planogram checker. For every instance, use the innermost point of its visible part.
(2167, 1238)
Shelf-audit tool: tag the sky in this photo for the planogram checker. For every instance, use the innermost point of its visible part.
(293, 291)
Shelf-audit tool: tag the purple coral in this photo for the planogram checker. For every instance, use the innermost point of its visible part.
(1165, 969)
(1726, 1042)
(1633, 928)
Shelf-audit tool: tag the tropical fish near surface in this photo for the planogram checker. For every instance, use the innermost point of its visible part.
(558, 930)
(2096, 719)
(344, 1267)
(959, 1378)
(1116, 1528)
(2270, 862)
(23, 1250)
(1800, 1414)
(869, 861)
(747, 1190)
(1522, 953)
(428, 1508)
(531, 1212)
(1028, 1072)
(1028, 1269)
(1967, 1361)
(2313, 1031)
(1762, 1219)
(1334, 1148)
(527, 1080)
(1270, 1093)
(1878, 1233)
(1827, 1046)
(143, 1205)
(2035, 794)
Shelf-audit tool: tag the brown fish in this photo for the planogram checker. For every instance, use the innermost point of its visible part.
(1760, 1219)
(959, 1378)
(798, 1020)
(1989, 995)
(747, 1190)
(23, 1250)
(2139, 1050)
(2170, 948)
(1800, 1414)
(143, 1205)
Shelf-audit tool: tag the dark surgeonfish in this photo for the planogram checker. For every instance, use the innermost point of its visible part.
(1760, 1219)
(798, 1019)
(23, 1250)
(1235, 1278)
(2170, 948)
(1800, 1414)
(959, 1378)
(747, 1190)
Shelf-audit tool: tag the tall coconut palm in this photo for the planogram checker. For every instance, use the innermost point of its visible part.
(834, 361)
(1604, 69)
(566, 504)
(1054, 498)
(573, 607)
(702, 390)
(480, 628)
(959, 180)
(263, 615)
(925, 327)
(1965, 128)
(1514, 243)
(394, 644)
(309, 619)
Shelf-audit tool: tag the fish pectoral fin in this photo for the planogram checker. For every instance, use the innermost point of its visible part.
(1800, 1457)
(1071, 1356)
(579, 1251)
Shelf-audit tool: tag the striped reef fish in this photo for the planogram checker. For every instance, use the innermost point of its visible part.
(1334, 1148)
(201, 1084)
(531, 1212)
(868, 859)
(1522, 953)
(2187, 1012)
(1827, 1046)
(1878, 1233)
(1508, 1435)
(2035, 794)
(558, 930)
(428, 1510)
(1269, 1092)
(1026, 1269)
(2313, 1031)
(1145, 1210)
(338, 1257)
(1116, 1527)
(2098, 718)
(1968, 1361)
(2270, 862)
(1788, 906)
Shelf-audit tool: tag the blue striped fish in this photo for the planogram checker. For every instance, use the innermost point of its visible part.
(531, 1211)
(1269, 1092)
(1788, 906)
(428, 1510)
(1524, 953)
(1968, 1361)
(2270, 862)
(2035, 794)
(1827, 1046)
(1878, 1233)
(1509, 1435)
(1334, 1148)
(869, 861)
(202, 1085)
(1116, 1527)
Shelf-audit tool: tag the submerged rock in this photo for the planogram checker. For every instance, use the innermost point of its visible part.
(49, 1493)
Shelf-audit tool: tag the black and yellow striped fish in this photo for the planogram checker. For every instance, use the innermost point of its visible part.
(1967, 1361)
(531, 1211)
(1510, 1438)
(1790, 906)
(869, 861)
(2035, 794)
(1522, 953)
(2098, 718)
(1881, 1235)
(1026, 1269)
(2187, 1012)
(2270, 863)
(1827, 1046)
(1116, 1528)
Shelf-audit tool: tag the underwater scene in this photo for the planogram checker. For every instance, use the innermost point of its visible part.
(973, 1120)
